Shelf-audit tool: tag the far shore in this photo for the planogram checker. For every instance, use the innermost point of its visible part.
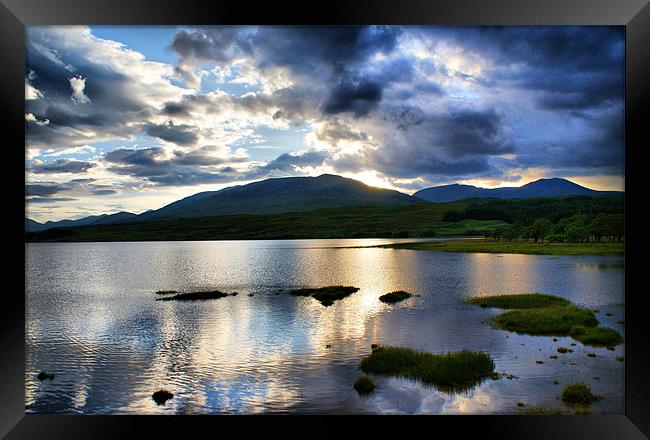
(514, 247)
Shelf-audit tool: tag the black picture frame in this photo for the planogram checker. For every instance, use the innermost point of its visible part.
(16, 14)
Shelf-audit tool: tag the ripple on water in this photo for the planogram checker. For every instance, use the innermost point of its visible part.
(92, 319)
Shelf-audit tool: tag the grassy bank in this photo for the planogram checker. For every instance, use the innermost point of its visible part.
(515, 247)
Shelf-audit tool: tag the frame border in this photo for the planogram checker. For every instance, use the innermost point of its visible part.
(633, 14)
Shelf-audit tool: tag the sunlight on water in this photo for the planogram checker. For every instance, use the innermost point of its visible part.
(93, 320)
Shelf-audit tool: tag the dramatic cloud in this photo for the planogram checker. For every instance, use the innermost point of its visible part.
(111, 89)
(403, 107)
(359, 99)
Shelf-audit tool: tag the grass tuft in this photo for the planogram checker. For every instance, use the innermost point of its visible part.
(596, 336)
(394, 297)
(451, 372)
(364, 385)
(161, 396)
(326, 295)
(579, 394)
(520, 301)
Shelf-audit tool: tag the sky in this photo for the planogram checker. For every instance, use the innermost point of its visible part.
(132, 118)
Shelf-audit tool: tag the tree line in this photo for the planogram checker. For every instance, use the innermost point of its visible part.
(575, 219)
(578, 228)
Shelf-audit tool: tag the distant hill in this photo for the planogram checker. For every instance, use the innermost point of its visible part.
(103, 219)
(555, 187)
(288, 194)
(305, 194)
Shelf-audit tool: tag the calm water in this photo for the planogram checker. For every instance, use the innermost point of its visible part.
(92, 319)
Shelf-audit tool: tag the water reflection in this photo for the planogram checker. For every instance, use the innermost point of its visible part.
(93, 320)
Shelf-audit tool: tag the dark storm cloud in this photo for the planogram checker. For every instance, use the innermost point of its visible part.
(458, 143)
(334, 54)
(548, 97)
(599, 151)
(359, 99)
(304, 50)
(62, 166)
(177, 134)
(572, 67)
(455, 133)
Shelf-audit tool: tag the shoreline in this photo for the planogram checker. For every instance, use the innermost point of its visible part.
(513, 247)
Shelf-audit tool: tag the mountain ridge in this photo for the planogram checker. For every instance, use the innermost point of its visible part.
(303, 194)
(552, 187)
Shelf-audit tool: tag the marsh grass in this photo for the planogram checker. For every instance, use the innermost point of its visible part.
(451, 372)
(395, 297)
(364, 385)
(195, 296)
(579, 393)
(326, 295)
(596, 336)
(549, 321)
(519, 301)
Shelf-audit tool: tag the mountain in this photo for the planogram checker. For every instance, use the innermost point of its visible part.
(103, 219)
(118, 217)
(33, 225)
(540, 188)
(287, 194)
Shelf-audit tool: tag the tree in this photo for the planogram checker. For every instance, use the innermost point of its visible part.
(540, 228)
(599, 226)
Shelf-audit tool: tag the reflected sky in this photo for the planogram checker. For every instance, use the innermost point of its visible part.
(92, 319)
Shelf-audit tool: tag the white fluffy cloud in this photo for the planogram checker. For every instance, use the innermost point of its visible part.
(78, 84)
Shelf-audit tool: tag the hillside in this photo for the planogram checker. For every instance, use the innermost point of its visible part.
(288, 194)
(413, 220)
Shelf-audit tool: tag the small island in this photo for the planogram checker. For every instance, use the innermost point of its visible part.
(196, 296)
(326, 295)
(395, 297)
